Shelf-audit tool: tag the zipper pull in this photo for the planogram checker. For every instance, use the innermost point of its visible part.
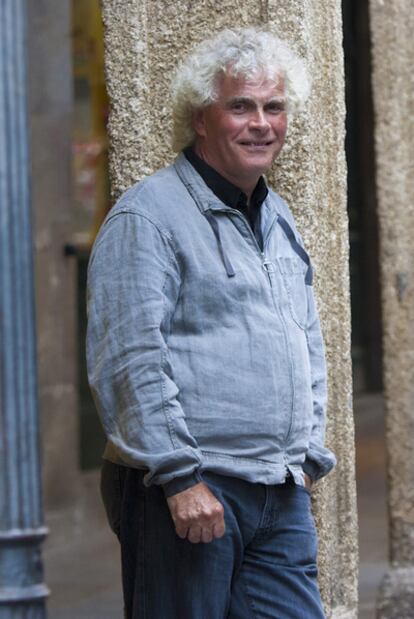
(269, 267)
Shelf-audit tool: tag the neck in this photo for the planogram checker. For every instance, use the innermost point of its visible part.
(247, 186)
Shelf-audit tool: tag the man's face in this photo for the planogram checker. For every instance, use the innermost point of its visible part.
(243, 131)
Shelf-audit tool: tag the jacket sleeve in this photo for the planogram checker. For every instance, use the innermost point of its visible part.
(319, 460)
(133, 286)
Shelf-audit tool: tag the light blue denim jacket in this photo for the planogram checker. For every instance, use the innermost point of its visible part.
(203, 351)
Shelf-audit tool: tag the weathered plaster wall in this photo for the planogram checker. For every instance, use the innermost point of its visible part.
(144, 42)
(392, 25)
(51, 148)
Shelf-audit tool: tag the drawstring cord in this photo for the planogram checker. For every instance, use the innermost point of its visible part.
(297, 248)
(226, 261)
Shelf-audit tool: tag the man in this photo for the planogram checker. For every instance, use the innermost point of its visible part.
(206, 358)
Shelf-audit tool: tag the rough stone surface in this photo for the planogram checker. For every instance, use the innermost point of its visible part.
(392, 25)
(397, 595)
(144, 42)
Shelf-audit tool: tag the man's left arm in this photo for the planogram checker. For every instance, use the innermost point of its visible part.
(319, 459)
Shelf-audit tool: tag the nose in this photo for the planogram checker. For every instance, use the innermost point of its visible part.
(259, 121)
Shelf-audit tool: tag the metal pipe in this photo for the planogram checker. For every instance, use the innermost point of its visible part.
(22, 590)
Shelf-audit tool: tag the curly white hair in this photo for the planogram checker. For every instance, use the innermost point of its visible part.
(242, 52)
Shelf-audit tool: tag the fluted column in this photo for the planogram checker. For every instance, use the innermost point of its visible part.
(145, 39)
(22, 591)
(392, 26)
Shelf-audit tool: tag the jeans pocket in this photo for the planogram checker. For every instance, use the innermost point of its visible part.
(304, 489)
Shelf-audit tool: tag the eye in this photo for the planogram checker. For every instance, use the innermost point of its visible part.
(238, 107)
(275, 108)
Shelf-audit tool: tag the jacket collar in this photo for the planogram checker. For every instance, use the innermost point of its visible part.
(207, 201)
(203, 196)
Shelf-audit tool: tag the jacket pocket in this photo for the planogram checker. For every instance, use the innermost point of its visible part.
(293, 273)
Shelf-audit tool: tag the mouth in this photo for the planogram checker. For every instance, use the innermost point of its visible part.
(258, 144)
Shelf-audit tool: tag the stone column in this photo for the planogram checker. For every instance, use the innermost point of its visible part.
(392, 25)
(144, 41)
(22, 590)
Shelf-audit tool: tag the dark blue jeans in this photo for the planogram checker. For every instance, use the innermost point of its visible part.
(263, 568)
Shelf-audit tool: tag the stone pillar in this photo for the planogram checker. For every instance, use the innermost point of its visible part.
(22, 590)
(392, 25)
(144, 41)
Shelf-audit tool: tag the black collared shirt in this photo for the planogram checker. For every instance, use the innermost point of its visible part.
(228, 193)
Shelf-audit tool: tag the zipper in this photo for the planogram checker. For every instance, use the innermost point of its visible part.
(268, 267)
(250, 232)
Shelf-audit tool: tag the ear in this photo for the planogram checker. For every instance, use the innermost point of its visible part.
(199, 122)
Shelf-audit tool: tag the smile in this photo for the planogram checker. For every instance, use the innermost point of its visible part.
(256, 144)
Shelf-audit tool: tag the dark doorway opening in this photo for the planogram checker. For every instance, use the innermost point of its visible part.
(366, 306)
(363, 222)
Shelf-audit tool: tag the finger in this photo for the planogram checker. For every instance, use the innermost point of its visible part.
(219, 529)
(206, 535)
(182, 531)
(194, 534)
(308, 481)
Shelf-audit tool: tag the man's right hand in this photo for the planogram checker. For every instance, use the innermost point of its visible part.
(197, 514)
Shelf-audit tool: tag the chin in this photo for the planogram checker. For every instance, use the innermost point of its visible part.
(256, 168)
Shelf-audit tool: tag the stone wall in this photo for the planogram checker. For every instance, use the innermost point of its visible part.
(392, 25)
(145, 39)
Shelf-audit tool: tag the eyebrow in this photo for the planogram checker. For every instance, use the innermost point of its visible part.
(249, 101)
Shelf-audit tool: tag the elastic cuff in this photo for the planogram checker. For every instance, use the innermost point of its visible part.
(179, 484)
(311, 468)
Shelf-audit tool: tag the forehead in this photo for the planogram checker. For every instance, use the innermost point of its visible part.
(258, 87)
